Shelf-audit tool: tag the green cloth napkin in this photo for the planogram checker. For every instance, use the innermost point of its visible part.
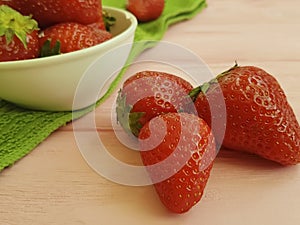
(21, 130)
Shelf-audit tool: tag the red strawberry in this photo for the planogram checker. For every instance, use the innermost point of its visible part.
(73, 36)
(148, 94)
(146, 10)
(49, 12)
(18, 35)
(259, 117)
(178, 150)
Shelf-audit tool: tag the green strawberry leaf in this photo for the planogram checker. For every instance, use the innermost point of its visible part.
(109, 20)
(47, 50)
(123, 110)
(134, 122)
(127, 119)
(13, 23)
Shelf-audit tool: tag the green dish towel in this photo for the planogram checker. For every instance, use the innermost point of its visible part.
(21, 130)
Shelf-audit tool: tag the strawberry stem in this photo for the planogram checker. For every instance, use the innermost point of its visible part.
(227, 71)
(47, 50)
(127, 119)
(205, 86)
(109, 20)
(13, 23)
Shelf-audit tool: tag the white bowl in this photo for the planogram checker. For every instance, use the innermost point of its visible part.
(50, 83)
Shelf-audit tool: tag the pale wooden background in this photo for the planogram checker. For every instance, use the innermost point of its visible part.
(54, 185)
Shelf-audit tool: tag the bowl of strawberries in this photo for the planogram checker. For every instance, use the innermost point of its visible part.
(46, 48)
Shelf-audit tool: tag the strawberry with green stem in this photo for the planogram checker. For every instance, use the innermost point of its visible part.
(69, 37)
(147, 94)
(18, 35)
(258, 117)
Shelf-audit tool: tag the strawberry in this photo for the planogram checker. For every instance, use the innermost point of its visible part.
(50, 12)
(73, 36)
(148, 94)
(146, 10)
(259, 117)
(178, 150)
(18, 35)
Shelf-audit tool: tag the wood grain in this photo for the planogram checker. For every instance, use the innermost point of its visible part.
(54, 185)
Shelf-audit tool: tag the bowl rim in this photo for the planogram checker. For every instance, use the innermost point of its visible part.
(77, 54)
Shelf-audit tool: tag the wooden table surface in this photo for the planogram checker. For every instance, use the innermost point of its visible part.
(55, 185)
